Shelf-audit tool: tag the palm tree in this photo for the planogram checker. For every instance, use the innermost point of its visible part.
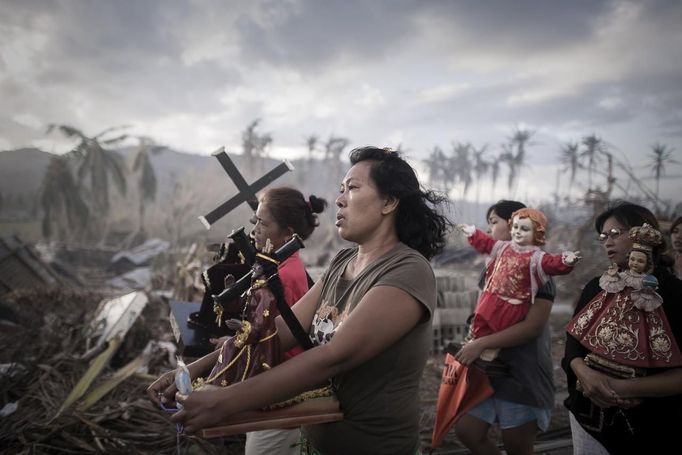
(334, 146)
(182, 204)
(146, 183)
(555, 194)
(99, 164)
(254, 144)
(480, 167)
(516, 154)
(507, 157)
(65, 213)
(594, 148)
(461, 165)
(333, 149)
(435, 165)
(660, 155)
(248, 142)
(494, 173)
(571, 160)
(311, 144)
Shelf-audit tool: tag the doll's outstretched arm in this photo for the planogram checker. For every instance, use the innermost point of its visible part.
(571, 257)
(482, 242)
(560, 264)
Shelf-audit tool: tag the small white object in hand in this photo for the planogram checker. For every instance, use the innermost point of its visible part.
(183, 380)
(467, 229)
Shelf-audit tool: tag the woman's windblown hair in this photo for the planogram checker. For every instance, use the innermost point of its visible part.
(419, 222)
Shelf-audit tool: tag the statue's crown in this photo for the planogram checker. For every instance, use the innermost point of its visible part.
(645, 237)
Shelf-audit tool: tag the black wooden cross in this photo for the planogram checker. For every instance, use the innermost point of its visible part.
(247, 193)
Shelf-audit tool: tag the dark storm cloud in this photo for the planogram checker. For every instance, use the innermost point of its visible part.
(421, 72)
(521, 24)
(88, 31)
(121, 52)
(320, 31)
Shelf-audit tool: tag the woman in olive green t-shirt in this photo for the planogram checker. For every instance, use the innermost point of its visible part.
(377, 299)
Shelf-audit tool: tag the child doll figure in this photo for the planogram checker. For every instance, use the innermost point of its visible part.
(641, 286)
(644, 295)
(515, 271)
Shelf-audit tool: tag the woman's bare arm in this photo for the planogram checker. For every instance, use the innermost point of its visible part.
(356, 341)
(663, 384)
(521, 332)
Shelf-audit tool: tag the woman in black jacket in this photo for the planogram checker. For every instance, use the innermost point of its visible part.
(625, 415)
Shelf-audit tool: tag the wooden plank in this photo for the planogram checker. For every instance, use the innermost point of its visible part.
(95, 368)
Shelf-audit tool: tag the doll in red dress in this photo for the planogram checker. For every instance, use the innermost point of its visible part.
(515, 271)
(624, 326)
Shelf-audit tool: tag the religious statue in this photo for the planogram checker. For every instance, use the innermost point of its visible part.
(625, 326)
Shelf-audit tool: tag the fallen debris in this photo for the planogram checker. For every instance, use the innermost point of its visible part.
(108, 412)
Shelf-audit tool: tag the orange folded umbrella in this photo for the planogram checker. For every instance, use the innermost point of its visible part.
(461, 389)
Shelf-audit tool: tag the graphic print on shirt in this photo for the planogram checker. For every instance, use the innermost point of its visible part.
(325, 323)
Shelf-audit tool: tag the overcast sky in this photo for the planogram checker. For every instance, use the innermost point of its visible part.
(193, 74)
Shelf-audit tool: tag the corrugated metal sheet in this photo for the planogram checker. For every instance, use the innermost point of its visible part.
(142, 254)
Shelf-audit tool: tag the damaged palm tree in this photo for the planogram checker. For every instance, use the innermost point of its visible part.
(65, 213)
(96, 167)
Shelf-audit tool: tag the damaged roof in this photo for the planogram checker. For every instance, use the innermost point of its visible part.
(142, 254)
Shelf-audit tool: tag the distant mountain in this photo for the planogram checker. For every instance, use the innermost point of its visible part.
(177, 173)
(196, 182)
(22, 170)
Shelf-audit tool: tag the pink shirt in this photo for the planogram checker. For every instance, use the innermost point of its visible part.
(295, 283)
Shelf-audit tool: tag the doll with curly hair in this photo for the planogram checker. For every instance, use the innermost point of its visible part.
(515, 271)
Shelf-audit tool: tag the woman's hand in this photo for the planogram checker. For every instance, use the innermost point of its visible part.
(234, 324)
(162, 391)
(470, 351)
(201, 409)
(594, 385)
(218, 342)
(626, 399)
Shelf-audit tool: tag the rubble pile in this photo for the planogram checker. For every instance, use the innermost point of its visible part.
(43, 363)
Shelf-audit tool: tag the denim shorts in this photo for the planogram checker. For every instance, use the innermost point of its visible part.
(510, 415)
